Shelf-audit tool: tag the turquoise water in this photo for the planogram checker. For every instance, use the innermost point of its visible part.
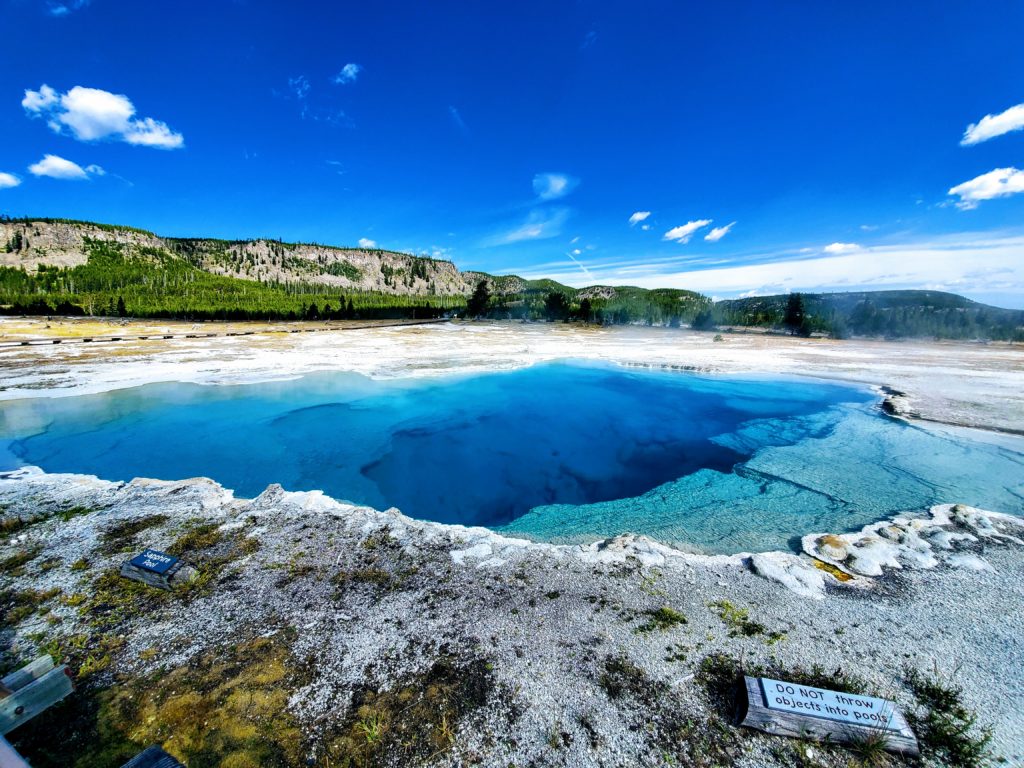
(560, 452)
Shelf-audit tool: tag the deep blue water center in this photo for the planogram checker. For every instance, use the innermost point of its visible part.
(560, 451)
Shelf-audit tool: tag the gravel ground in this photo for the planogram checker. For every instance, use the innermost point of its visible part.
(571, 666)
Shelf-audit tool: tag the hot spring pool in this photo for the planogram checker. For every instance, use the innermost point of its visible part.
(560, 452)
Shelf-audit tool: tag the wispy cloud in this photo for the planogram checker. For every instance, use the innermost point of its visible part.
(835, 248)
(59, 168)
(348, 74)
(583, 267)
(92, 114)
(991, 126)
(299, 86)
(638, 217)
(588, 40)
(8, 180)
(457, 119)
(551, 186)
(683, 233)
(1002, 182)
(63, 9)
(718, 233)
(365, 242)
(540, 224)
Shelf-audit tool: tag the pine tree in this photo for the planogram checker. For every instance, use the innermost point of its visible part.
(794, 317)
(477, 304)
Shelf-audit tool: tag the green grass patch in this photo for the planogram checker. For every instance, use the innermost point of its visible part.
(122, 534)
(740, 624)
(661, 620)
(947, 730)
(14, 565)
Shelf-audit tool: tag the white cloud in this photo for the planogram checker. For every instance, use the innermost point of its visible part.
(152, 133)
(718, 233)
(348, 74)
(836, 248)
(8, 180)
(685, 232)
(91, 114)
(637, 217)
(967, 263)
(551, 186)
(991, 126)
(37, 101)
(540, 224)
(58, 168)
(1001, 182)
(365, 242)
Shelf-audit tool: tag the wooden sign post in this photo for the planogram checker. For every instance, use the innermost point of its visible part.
(801, 711)
(157, 569)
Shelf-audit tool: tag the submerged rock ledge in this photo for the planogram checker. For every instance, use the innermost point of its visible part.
(592, 654)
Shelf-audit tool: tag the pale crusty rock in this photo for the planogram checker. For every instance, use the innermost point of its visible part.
(791, 571)
(912, 542)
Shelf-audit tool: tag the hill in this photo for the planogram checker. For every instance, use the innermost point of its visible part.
(889, 314)
(62, 266)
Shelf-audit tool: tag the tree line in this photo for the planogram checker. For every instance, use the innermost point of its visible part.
(149, 282)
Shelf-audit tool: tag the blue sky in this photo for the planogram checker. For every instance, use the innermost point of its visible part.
(772, 146)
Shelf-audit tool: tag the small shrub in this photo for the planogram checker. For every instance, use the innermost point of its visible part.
(201, 537)
(661, 620)
(67, 514)
(621, 677)
(739, 622)
(14, 564)
(18, 605)
(11, 525)
(120, 535)
(947, 730)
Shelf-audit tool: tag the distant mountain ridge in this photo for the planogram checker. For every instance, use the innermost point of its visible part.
(78, 266)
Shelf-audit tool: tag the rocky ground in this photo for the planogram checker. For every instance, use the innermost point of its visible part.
(318, 633)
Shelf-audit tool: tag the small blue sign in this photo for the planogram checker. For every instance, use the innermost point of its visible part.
(154, 561)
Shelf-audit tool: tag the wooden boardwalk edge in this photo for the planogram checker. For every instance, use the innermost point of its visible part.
(49, 341)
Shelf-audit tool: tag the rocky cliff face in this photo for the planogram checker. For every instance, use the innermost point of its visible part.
(64, 244)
